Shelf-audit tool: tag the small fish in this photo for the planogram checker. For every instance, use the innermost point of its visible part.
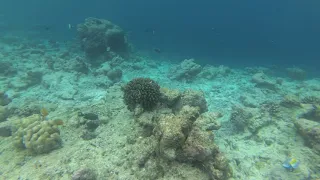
(58, 122)
(44, 113)
(47, 28)
(70, 26)
(291, 164)
(149, 30)
(41, 27)
(90, 116)
(157, 50)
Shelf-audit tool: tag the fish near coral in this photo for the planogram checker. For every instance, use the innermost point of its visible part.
(291, 164)
(57, 122)
(44, 113)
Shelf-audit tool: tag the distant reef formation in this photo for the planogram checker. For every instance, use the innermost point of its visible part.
(101, 37)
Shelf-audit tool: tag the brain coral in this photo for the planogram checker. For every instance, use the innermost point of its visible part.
(39, 136)
(141, 91)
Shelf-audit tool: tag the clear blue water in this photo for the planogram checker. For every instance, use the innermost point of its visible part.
(232, 32)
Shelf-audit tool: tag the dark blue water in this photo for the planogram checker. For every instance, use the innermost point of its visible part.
(232, 32)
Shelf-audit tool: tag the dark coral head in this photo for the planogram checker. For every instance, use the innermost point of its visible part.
(141, 91)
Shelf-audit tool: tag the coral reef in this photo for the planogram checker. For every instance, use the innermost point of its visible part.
(248, 101)
(180, 132)
(99, 36)
(296, 73)
(114, 75)
(174, 130)
(311, 99)
(37, 135)
(307, 122)
(310, 130)
(270, 108)
(211, 72)
(4, 99)
(29, 107)
(33, 78)
(6, 68)
(187, 70)
(169, 96)
(184, 137)
(178, 138)
(141, 91)
(84, 174)
(3, 113)
(290, 101)
(5, 131)
(239, 117)
(252, 119)
(192, 98)
(262, 81)
(90, 121)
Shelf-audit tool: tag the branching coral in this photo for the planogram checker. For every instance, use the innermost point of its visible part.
(141, 91)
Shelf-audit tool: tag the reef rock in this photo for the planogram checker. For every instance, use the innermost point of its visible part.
(169, 96)
(4, 99)
(3, 113)
(261, 81)
(99, 36)
(296, 73)
(185, 137)
(192, 98)
(187, 70)
(310, 131)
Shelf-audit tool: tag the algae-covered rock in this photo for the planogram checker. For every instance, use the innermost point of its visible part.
(210, 72)
(208, 121)
(174, 130)
(192, 98)
(311, 99)
(4, 99)
(187, 70)
(290, 101)
(317, 113)
(5, 131)
(181, 141)
(240, 116)
(99, 36)
(310, 131)
(38, 136)
(3, 113)
(169, 96)
(198, 147)
(84, 174)
(296, 73)
(249, 119)
(310, 111)
(262, 81)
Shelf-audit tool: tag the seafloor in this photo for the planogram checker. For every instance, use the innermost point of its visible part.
(262, 109)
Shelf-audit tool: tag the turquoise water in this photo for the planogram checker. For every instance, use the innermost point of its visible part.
(159, 90)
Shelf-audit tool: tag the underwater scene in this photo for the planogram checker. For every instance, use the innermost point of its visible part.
(159, 90)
